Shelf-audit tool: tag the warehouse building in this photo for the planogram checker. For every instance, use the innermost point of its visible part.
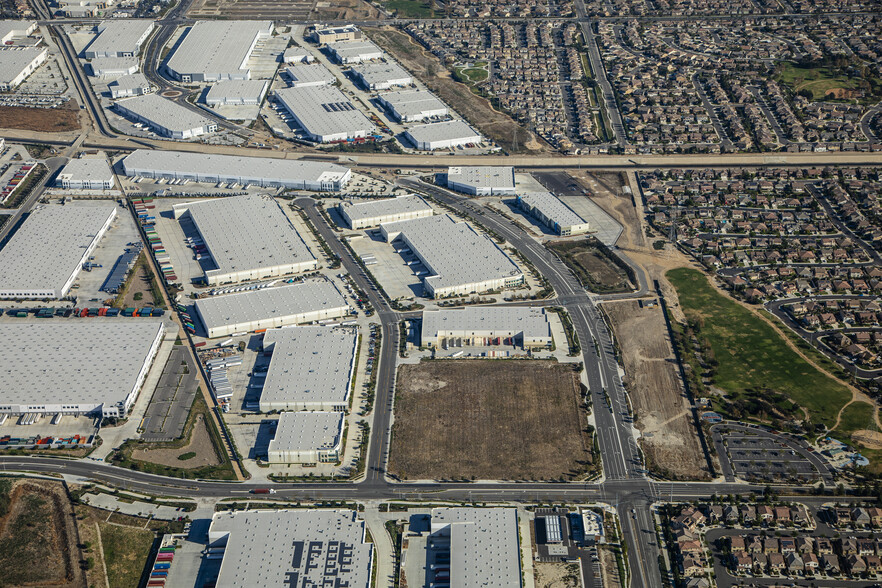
(212, 51)
(12, 29)
(130, 85)
(482, 180)
(44, 256)
(325, 114)
(18, 63)
(311, 368)
(90, 367)
(294, 55)
(413, 105)
(302, 75)
(443, 135)
(307, 437)
(301, 548)
(86, 173)
(165, 117)
(325, 35)
(376, 212)
(381, 76)
(349, 52)
(119, 38)
(112, 67)
(467, 263)
(248, 237)
(548, 209)
(271, 308)
(237, 93)
(317, 176)
(482, 545)
(490, 325)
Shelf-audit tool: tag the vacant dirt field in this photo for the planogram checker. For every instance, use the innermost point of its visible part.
(200, 444)
(40, 119)
(489, 419)
(670, 440)
(556, 575)
(594, 269)
(38, 541)
(477, 110)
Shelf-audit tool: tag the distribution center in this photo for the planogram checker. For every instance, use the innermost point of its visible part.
(488, 325)
(348, 52)
(248, 238)
(482, 180)
(17, 64)
(307, 437)
(212, 51)
(168, 118)
(86, 173)
(325, 113)
(548, 208)
(381, 76)
(301, 75)
(119, 38)
(237, 93)
(375, 212)
(413, 105)
(443, 135)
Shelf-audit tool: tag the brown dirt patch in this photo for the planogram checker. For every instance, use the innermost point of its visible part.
(200, 444)
(556, 575)
(869, 439)
(53, 120)
(38, 538)
(670, 440)
(140, 283)
(495, 125)
(489, 419)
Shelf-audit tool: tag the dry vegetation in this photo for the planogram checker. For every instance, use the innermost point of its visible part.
(490, 419)
(53, 120)
(200, 444)
(670, 440)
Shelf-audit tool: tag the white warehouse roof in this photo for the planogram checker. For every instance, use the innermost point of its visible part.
(310, 369)
(498, 321)
(85, 169)
(411, 105)
(237, 91)
(299, 548)
(15, 28)
(218, 49)
(325, 113)
(246, 234)
(14, 61)
(118, 37)
(309, 74)
(483, 177)
(552, 208)
(363, 213)
(444, 134)
(382, 75)
(307, 431)
(355, 51)
(164, 113)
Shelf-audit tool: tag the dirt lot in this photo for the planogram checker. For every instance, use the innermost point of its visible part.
(489, 419)
(556, 575)
(477, 110)
(200, 444)
(38, 538)
(594, 269)
(40, 119)
(670, 440)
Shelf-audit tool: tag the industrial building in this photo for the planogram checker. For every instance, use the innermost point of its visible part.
(413, 105)
(482, 546)
(482, 180)
(311, 368)
(83, 8)
(91, 367)
(16, 64)
(300, 548)
(490, 325)
(459, 260)
(248, 238)
(381, 76)
(297, 55)
(112, 67)
(86, 173)
(129, 85)
(550, 210)
(375, 212)
(443, 135)
(349, 52)
(212, 51)
(317, 176)
(42, 259)
(307, 437)
(325, 114)
(11, 29)
(237, 93)
(119, 38)
(270, 308)
(301, 75)
(325, 35)
(167, 118)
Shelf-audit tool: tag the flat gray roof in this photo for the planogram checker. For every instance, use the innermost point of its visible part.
(247, 232)
(412, 102)
(299, 548)
(165, 113)
(88, 168)
(552, 207)
(14, 61)
(309, 365)
(218, 46)
(14, 27)
(310, 73)
(324, 110)
(269, 303)
(49, 245)
(254, 89)
(307, 431)
(483, 545)
(385, 206)
(466, 257)
(120, 35)
(442, 131)
(379, 73)
(511, 320)
(128, 82)
(363, 49)
(92, 361)
(483, 176)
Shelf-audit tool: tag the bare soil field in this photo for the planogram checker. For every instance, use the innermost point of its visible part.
(556, 575)
(53, 120)
(200, 444)
(478, 111)
(38, 537)
(594, 269)
(489, 419)
(670, 440)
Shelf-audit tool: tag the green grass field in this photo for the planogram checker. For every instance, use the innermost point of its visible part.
(125, 553)
(752, 357)
(855, 417)
(473, 74)
(818, 80)
(410, 8)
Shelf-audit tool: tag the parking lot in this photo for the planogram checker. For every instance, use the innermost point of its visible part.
(391, 269)
(174, 394)
(759, 455)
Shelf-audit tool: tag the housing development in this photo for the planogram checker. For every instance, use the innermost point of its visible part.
(547, 294)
